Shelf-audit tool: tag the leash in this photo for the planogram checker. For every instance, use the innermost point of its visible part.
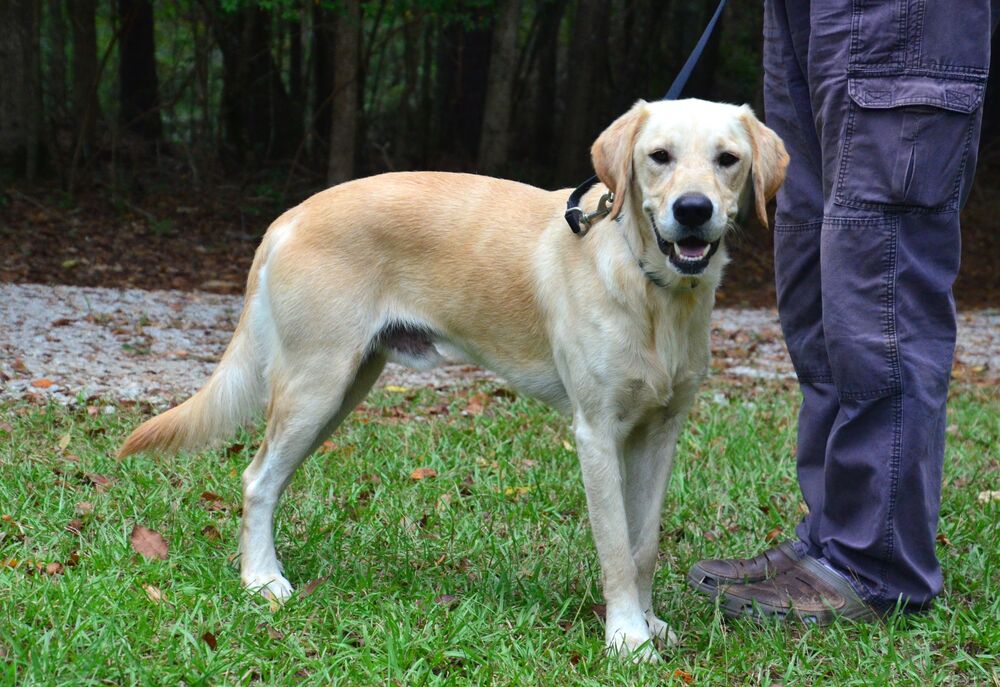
(579, 220)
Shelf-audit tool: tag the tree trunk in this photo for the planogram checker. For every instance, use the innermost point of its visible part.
(322, 83)
(20, 97)
(58, 100)
(463, 60)
(587, 94)
(545, 98)
(494, 142)
(256, 111)
(139, 88)
(345, 96)
(86, 110)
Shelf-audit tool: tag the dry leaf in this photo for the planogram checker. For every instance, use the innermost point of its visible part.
(423, 473)
(149, 543)
(477, 404)
(84, 508)
(327, 447)
(154, 594)
(396, 389)
(311, 586)
(942, 539)
(64, 441)
(684, 676)
(568, 446)
(772, 535)
(600, 610)
(101, 482)
(210, 532)
(75, 526)
(448, 600)
(42, 383)
(4, 427)
(54, 569)
(209, 639)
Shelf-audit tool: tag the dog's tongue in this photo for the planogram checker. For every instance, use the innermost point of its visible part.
(692, 248)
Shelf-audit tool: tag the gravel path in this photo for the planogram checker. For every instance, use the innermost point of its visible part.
(71, 343)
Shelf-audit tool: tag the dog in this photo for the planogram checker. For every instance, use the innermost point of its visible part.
(612, 328)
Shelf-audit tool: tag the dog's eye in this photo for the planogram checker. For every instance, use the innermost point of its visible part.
(727, 160)
(660, 156)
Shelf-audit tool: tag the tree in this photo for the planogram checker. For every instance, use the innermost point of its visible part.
(138, 85)
(85, 74)
(345, 96)
(20, 97)
(494, 142)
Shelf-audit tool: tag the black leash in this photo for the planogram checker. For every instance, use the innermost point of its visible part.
(575, 215)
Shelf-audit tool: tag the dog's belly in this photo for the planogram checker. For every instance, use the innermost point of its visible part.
(422, 348)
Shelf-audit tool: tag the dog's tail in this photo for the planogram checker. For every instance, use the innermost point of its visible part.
(233, 396)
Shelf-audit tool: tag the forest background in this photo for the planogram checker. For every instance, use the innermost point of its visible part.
(150, 143)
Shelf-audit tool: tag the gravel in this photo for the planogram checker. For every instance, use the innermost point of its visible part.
(76, 344)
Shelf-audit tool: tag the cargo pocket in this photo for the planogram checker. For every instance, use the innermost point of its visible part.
(858, 264)
(906, 142)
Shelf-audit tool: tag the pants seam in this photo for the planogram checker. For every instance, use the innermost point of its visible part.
(892, 342)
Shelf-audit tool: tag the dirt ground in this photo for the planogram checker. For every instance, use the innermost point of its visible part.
(172, 235)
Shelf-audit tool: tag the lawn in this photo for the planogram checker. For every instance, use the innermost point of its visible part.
(481, 572)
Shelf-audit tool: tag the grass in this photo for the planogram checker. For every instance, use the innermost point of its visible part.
(482, 574)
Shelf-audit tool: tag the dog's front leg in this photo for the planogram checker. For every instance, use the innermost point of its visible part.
(599, 449)
(649, 455)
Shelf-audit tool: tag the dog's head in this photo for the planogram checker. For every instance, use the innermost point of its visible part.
(689, 169)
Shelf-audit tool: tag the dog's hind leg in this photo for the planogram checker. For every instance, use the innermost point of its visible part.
(307, 405)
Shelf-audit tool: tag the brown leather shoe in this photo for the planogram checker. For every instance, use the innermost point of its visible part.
(707, 576)
(808, 591)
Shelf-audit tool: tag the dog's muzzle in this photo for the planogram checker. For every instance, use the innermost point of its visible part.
(689, 255)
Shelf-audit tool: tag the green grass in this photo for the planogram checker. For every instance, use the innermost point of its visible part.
(462, 578)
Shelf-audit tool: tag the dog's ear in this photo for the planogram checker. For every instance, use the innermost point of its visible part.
(612, 154)
(770, 160)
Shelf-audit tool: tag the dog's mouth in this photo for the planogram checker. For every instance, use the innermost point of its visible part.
(690, 255)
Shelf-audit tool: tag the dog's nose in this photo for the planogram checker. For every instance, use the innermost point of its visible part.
(693, 209)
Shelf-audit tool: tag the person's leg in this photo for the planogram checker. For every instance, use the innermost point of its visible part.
(898, 123)
(797, 226)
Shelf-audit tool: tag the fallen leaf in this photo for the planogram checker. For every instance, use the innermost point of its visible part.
(327, 447)
(987, 496)
(19, 366)
(75, 526)
(772, 535)
(209, 639)
(149, 543)
(54, 569)
(154, 594)
(311, 586)
(73, 560)
(64, 441)
(448, 600)
(84, 508)
(92, 411)
(568, 446)
(210, 532)
(516, 492)
(4, 427)
(686, 677)
(42, 383)
(942, 539)
(396, 389)
(477, 404)
(600, 610)
(100, 482)
(423, 473)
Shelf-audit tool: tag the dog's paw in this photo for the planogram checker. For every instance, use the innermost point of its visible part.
(661, 632)
(272, 587)
(635, 644)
